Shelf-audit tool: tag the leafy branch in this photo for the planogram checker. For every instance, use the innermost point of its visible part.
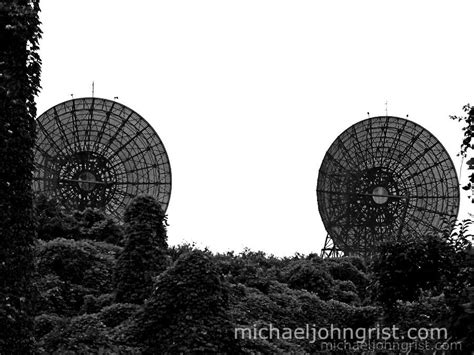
(467, 144)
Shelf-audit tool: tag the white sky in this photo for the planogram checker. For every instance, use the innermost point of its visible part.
(248, 95)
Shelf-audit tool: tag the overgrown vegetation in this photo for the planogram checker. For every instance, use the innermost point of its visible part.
(143, 256)
(467, 145)
(19, 83)
(181, 299)
(90, 285)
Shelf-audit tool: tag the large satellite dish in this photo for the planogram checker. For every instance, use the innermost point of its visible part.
(93, 152)
(385, 178)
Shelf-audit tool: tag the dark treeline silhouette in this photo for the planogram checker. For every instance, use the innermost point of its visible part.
(19, 83)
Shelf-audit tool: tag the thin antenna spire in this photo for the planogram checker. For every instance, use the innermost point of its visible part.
(92, 88)
(386, 108)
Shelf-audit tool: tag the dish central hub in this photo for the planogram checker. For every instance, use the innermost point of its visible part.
(87, 180)
(380, 195)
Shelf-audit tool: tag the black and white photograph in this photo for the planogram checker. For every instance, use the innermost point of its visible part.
(236, 177)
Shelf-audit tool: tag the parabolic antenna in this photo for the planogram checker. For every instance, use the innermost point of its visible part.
(385, 178)
(93, 152)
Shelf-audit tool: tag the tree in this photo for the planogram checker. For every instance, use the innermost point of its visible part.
(143, 256)
(466, 144)
(19, 83)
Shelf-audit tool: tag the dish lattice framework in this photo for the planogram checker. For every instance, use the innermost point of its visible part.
(385, 178)
(93, 152)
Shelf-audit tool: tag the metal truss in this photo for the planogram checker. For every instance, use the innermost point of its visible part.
(93, 152)
(385, 178)
(330, 250)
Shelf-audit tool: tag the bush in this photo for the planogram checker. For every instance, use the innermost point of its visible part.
(83, 334)
(52, 221)
(85, 263)
(93, 304)
(419, 264)
(188, 310)
(45, 323)
(365, 317)
(283, 307)
(175, 251)
(253, 269)
(346, 291)
(56, 296)
(425, 312)
(311, 276)
(345, 270)
(460, 300)
(96, 225)
(117, 313)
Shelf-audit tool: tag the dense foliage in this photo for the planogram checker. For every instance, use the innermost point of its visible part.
(52, 222)
(143, 256)
(426, 283)
(419, 264)
(194, 300)
(19, 83)
(195, 303)
(188, 312)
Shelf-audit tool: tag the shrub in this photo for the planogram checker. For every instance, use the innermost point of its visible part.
(283, 307)
(345, 270)
(345, 291)
(188, 310)
(95, 225)
(460, 300)
(311, 276)
(52, 221)
(419, 264)
(365, 317)
(175, 251)
(93, 304)
(83, 334)
(117, 313)
(425, 312)
(45, 323)
(85, 263)
(244, 269)
(60, 297)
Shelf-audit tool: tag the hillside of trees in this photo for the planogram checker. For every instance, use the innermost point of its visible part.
(103, 286)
